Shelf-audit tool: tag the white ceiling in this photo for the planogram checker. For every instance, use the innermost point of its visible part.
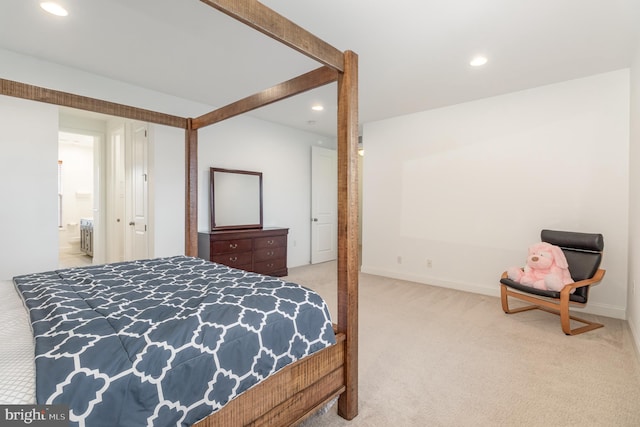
(413, 54)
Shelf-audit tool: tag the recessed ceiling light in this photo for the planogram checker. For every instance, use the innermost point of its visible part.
(54, 8)
(478, 61)
(317, 107)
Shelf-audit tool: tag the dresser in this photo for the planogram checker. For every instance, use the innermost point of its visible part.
(262, 250)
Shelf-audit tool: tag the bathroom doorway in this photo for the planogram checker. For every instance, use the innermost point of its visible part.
(78, 153)
(103, 189)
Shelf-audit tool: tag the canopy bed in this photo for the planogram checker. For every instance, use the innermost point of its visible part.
(300, 388)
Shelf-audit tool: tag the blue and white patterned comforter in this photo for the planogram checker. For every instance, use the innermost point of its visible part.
(165, 341)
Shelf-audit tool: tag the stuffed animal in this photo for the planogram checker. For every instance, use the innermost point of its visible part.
(546, 268)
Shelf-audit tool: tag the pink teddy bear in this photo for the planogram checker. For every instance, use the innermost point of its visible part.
(546, 268)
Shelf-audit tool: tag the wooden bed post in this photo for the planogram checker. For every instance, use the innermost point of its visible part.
(191, 191)
(348, 262)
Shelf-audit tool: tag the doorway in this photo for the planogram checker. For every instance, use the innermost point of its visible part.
(76, 197)
(103, 189)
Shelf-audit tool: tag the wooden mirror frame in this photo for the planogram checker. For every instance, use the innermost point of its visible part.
(224, 205)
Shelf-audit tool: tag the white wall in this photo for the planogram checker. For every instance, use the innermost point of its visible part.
(470, 186)
(633, 306)
(283, 155)
(28, 187)
(166, 161)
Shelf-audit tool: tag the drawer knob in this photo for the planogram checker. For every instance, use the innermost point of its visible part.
(270, 242)
(233, 258)
(270, 253)
(233, 245)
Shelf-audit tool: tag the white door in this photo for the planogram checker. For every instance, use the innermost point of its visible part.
(116, 213)
(138, 247)
(324, 205)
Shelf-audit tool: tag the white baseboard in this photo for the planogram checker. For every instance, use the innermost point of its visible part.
(494, 291)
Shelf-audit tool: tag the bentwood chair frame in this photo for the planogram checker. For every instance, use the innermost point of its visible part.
(584, 255)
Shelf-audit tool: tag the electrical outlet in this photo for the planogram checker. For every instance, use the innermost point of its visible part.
(429, 263)
(399, 259)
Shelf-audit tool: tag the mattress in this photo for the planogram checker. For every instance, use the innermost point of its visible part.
(17, 369)
(164, 342)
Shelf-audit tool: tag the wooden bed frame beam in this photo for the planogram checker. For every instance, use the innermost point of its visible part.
(56, 97)
(267, 21)
(278, 402)
(305, 82)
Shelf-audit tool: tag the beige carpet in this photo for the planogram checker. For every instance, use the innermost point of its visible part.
(437, 357)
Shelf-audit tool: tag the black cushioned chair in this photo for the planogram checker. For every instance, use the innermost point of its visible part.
(584, 254)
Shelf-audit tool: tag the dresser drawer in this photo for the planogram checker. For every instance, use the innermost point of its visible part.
(237, 260)
(261, 250)
(231, 246)
(271, 242)
(269, 253)
(268, 267)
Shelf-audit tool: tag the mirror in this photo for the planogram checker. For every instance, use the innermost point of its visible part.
(236, 199)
